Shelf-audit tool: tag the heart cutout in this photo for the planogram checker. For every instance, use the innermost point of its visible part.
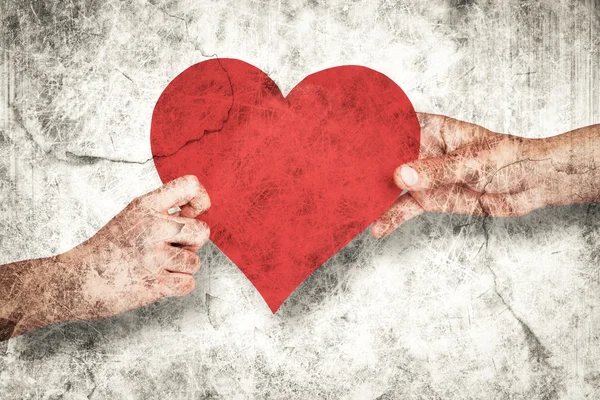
(292, 179)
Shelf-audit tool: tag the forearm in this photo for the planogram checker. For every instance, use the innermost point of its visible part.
(140, 256)
(573, 175)
(32, 295)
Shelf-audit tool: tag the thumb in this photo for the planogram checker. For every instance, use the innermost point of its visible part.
(431, 173)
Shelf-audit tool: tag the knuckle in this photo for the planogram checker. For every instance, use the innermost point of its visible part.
(438, 165)
(186, 285)
(186, 257)
(199, 227)
(202, 199)
(192, 259)
(195, 223)
(136, 202)
(203, 226)
(471, 172)
(192, 181)
(442, 170)
(196, 265)
(142, 202)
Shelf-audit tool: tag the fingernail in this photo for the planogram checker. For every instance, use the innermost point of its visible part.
(173, 210)
(409, 176)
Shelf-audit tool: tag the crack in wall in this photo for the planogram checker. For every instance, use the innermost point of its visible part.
(537, 350)
(88, 372)
(72, 158)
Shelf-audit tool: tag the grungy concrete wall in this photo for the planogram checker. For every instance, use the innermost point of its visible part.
(446, 307)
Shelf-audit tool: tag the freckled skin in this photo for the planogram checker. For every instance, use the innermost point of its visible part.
(464, 168)
(142, 255)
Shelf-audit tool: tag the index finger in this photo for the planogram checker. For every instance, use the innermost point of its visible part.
(450, 133)
(185, 190)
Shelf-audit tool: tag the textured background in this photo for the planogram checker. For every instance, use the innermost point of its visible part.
(446, 307)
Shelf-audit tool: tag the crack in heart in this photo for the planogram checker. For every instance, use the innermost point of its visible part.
(292, 179)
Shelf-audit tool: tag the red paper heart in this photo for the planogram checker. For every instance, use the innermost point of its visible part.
(292, 179)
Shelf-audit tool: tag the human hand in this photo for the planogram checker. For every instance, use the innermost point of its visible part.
(142, 255)
(464, 168)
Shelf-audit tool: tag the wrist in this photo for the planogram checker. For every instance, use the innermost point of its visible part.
(574, 172)
(50, 294)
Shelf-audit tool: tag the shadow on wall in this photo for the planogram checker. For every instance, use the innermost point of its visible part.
(550, 222)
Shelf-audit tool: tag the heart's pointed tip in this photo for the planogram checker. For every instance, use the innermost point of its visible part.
(275, 295)
(274, 304)
(274, 308)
